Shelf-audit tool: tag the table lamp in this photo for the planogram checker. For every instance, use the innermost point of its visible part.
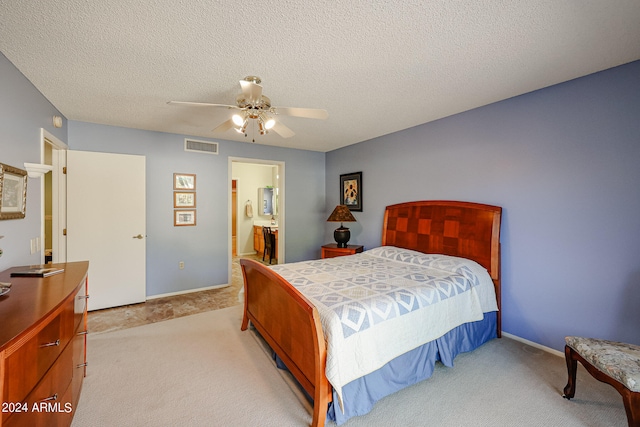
(342, 234)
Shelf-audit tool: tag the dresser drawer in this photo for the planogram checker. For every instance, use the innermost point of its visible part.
(50, 403)
(32, 360)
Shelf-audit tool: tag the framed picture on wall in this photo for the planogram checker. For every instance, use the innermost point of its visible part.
(13, 192)
(182, 218)
(184, 181)
(183, 199)
(351, 191)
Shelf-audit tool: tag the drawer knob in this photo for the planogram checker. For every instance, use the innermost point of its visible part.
(54, 397)
(51, 344)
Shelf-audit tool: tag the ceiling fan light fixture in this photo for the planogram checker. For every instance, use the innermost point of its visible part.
(243, 127)
(238, 120)
(261, 126)
(266, 121)
(269, 123)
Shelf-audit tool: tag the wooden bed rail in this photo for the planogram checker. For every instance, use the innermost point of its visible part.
(284, 318)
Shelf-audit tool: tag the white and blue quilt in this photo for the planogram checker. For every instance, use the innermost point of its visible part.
(379, 304)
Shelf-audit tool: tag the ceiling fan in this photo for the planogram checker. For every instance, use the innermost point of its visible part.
(251, 104)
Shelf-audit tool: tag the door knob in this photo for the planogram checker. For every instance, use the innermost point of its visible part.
(139, 236)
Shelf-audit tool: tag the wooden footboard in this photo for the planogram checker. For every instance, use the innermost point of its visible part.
(290, 324)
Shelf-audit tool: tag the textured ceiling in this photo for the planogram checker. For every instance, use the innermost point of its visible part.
(376, 66)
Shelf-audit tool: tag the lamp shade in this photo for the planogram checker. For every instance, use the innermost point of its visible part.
(341, 214)
(342, 234)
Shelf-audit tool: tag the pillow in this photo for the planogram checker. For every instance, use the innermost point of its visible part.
(456, 265)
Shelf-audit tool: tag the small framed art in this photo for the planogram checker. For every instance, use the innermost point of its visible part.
(184, 181)
(351, 191)
(184, 199)
(182, 218)
(13, 192)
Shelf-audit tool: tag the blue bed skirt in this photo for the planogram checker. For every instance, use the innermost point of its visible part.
(361, 394)
(416, 365)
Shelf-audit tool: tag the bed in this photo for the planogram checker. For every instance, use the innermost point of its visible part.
(301, 312)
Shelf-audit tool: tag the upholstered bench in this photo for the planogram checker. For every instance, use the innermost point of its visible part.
(614, 363)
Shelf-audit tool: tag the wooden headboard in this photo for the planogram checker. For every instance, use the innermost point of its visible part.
(462, 229)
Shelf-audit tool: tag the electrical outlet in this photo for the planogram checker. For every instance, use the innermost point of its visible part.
(181, 265)
(33, 246)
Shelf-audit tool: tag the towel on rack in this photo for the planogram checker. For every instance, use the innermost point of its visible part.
(248, 209)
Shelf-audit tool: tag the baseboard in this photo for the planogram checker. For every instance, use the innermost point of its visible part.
(189, 291)
(534, 344)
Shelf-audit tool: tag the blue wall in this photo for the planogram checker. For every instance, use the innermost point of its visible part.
(204, 248)
(23, 112)
(564, 163)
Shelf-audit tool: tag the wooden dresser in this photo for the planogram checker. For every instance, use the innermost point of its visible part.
(43, 327)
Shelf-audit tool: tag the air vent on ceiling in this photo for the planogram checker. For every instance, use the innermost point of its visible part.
(200, 146)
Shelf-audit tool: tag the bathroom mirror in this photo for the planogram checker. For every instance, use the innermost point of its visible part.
(265, 198)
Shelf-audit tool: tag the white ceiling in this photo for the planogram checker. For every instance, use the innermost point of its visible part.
(376, 66)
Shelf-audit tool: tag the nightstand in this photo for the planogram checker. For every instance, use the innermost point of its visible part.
(332, 250)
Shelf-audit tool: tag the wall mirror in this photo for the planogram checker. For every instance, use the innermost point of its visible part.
(265, 198)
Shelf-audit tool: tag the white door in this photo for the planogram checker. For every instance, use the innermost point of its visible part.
(106, 225)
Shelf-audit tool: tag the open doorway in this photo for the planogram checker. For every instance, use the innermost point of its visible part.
(54, 203)
(253, 179)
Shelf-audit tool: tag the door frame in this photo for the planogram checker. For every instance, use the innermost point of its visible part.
(58, 196)
(281, 205)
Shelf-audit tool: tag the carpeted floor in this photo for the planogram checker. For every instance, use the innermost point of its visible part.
(201, 370)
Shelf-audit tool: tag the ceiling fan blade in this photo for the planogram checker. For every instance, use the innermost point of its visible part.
(252, 91)
(282, 130)
(224, 126)
(204, 104)
(309, 113)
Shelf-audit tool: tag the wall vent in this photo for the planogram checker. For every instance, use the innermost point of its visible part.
(200, 146)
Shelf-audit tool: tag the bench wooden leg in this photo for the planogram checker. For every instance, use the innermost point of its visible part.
(632, 407)
(630, 399)
(572, 367)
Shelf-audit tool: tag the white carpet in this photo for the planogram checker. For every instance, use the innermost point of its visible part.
(201, 370)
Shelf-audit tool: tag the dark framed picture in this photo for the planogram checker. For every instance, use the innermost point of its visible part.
(351, 191)
(13, 192)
